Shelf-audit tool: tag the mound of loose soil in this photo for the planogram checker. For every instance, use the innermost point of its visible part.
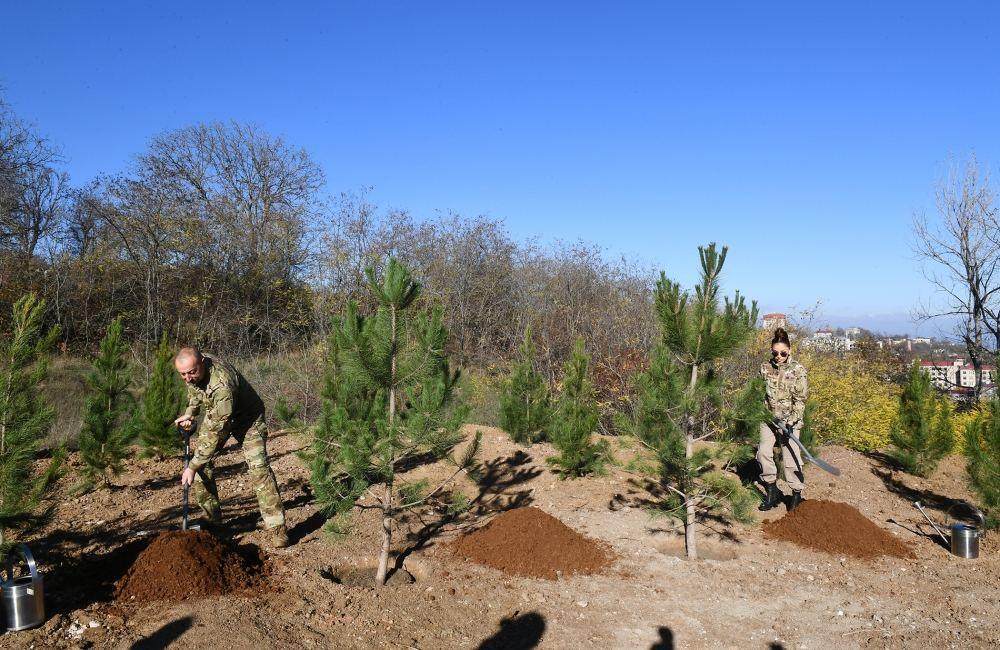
(529, 542)
(189, 564)
(835, 528)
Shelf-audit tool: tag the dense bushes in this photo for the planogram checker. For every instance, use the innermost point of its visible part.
(854, 407)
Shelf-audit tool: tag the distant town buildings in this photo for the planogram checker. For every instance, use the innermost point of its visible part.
(774, 321)
(827, 340)
(958, 378)
(907, 342)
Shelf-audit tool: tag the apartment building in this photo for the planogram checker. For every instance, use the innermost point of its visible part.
(957, 374)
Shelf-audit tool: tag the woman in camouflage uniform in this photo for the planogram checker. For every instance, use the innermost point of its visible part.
(787, 390)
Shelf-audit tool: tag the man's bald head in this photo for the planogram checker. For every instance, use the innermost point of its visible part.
(190, 363)
(188, 353)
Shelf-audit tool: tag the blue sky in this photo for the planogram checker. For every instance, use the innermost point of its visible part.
(804, 138)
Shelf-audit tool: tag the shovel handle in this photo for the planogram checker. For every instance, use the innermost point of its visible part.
(187, 462)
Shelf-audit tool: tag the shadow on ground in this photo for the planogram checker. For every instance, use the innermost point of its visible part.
(666, 641)
(656, 497)
(519, 632)
(957, 508)
(495, 480)
(164, 636)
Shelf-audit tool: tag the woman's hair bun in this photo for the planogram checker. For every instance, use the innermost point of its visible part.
(780, 336)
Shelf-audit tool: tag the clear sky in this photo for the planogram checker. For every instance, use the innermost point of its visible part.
(805, 138)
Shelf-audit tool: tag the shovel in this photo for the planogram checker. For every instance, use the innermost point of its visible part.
(822, 464)
(187, 488)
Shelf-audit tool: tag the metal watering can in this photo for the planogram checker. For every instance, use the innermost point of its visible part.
(23, 597)
(964, 539)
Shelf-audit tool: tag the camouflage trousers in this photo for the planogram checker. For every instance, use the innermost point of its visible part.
(253, 439)
(790, 463)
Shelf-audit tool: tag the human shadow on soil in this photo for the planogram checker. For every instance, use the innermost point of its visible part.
(518, 632)
(494, 480)
(666, 641)
(163, 637)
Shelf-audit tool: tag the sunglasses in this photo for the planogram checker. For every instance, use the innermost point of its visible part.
(782, 354)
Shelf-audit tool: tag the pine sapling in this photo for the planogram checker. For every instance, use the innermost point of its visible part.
(574, 420)
(161, 402)
(922, 432)
(679, 396)
(525, 409)
(982, 455)
(107, 429)
(25, 419)
(389, 399)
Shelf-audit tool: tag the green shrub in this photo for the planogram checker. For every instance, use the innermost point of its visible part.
(574, 421)
(107, 427)
(25, 419)
(161, 402)
(982, 453)
(525, 411)
(922, 433)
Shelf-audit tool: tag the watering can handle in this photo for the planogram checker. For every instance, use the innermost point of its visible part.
(28, 558)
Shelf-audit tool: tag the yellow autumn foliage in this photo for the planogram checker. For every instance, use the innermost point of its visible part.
(959, 421)
(854, 406)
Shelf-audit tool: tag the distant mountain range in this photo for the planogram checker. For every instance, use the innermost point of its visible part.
(899, 323)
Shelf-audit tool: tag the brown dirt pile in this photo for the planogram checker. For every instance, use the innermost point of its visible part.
(189, 564)
(835, 528)
(529, 542)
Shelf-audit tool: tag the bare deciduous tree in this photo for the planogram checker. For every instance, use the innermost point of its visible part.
(962, 255)
(33, 194)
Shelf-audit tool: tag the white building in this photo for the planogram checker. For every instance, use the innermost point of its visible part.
(825, 339)
(774, 321)
(956, 374)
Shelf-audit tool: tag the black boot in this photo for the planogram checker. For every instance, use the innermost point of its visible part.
(796, 500)
(772, 497)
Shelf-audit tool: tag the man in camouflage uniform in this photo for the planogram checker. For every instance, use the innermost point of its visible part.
(231, 407)
(787, 390)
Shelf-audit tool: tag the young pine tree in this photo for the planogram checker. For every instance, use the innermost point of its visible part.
(679, 394)
(25, 419)
(389, 396)
(161, 402)
(922, 433)
(525, 410)
(982, 454)
(107, 429)
(574, 420)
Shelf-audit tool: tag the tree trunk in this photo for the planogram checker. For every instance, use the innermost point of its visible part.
(383, 558)
(689, 523)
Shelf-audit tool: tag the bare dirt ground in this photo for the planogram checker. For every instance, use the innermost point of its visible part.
(755, 593)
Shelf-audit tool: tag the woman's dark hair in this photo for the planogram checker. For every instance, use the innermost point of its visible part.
(780, 336)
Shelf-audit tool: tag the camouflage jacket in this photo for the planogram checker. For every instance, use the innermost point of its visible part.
(787, 390)
(227, 400)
